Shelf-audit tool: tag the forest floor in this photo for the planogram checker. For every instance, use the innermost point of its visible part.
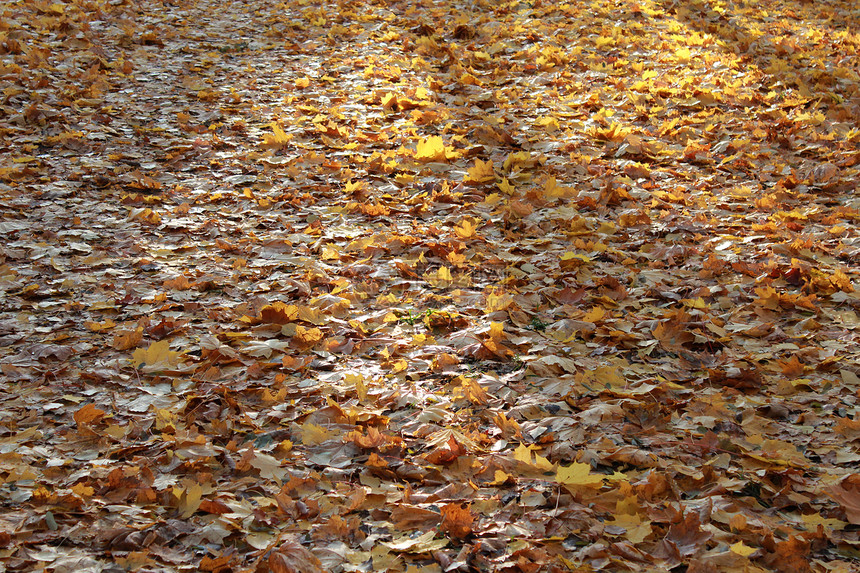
(429, 286)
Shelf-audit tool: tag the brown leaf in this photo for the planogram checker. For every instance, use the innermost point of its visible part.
(687, 534)
(214, 506)
(738, 378)
(292, 557)
(405, 516)
(847, 494)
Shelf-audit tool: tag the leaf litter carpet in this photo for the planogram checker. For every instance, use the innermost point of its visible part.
(429, 286)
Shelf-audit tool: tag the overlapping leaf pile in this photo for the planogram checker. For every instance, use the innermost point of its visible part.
(397, 286)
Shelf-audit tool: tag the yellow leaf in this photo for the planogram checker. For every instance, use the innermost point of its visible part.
(638, 533)
(99, 326)
(496, 302)
(607, 377)
(157, 355)
(465, 229)
(82, 490)
(812, 521)
(457, 259)
(468, 387)
(308, 336)
(519, 160)
(552, 190)
(360, 388)
(570, 260)
(278, 137)
(627, 517)
(310, 314)
(431, 149)
(481, 172)
(523, 453)
(165, 419)
(330, 253)
(578, 474)
(491, 200)
(497, 331)
(542, 463)
(190, 498)
(313, 434)
(548, 123)
(604, 41)
(499, 478)
(595, 314)
(505, 187)
(628, 506)
(441, 278)
(743, 550)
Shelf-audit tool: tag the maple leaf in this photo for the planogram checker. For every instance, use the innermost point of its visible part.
(156, 356)
(189, 498)
(519, 160)
(742, 549)
(524, 454)
(88, 415)
(481, 172)
(279, 313)
(847, 494)
(457, 520)
(433, 149)
(269, 467)
(292, 557)
(99, 326)
(687, 534)
(578, 474)
(552, 190)
(465, 229)
(313, 434)
(127, 339)
(278, 138)
(442, 278)
(307, 337)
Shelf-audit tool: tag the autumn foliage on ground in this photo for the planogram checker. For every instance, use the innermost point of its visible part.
(429, 286)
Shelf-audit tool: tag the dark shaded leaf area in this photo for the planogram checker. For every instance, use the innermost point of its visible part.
(429, 286)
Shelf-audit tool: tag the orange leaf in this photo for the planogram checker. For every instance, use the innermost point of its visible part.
(457, 520)
(88, 414)
(127, 339)
(214, 507)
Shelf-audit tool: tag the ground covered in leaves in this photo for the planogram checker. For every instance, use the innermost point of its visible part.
(429, 286)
